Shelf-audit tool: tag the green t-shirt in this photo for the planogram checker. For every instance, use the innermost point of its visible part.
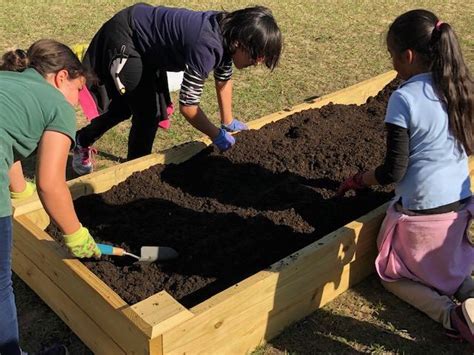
(29, 105)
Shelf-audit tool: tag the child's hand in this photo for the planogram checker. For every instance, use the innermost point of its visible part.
(355, 182)
(224, 140)
(27, 192)
(234, 126)
(81, 244)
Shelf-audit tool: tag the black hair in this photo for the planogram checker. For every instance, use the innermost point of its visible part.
(438, 48)
(254, 29)
(46, 56)
(14, 60)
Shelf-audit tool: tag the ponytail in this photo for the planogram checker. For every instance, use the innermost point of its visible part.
(454, 83)
(15, 60)
(46, 56)
(438, 49)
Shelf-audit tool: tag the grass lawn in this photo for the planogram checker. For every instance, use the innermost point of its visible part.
(328, 45)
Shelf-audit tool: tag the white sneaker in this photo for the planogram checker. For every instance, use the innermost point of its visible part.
(82, 159)
(468, 311)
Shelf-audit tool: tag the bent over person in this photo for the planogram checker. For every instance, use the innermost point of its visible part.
(132, 52)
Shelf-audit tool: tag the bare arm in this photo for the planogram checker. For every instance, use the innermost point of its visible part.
(17, 179)
(198, 119)
(51, 181)
(224, 98)
(368, 178)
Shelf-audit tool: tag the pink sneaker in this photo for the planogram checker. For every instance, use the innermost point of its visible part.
(165, 124)
(82, 159)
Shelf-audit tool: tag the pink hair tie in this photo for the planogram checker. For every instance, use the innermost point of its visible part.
(438, 24)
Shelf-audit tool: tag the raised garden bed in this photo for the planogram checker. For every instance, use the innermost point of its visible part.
(231, 215)
(270, 200)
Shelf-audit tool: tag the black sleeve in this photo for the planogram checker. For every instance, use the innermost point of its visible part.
(396, 158)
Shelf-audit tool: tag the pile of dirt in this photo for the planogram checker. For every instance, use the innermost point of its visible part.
(232, 214)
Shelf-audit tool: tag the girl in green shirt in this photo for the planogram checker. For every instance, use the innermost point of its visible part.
(37, 92)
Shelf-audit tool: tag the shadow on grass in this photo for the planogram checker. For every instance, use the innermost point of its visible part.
(366, 319)
(325, 332)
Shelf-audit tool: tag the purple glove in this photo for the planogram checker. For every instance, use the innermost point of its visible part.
(353, 183)
(234, 126)
(224, 140)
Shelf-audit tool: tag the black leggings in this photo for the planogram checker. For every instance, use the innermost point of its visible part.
(140, 102)
(146, 96)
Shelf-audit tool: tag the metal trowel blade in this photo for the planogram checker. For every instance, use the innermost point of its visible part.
(151, 254)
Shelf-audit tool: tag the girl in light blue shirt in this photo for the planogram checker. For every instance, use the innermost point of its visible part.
(429, 125)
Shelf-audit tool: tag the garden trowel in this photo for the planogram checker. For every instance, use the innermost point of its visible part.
(147, 254)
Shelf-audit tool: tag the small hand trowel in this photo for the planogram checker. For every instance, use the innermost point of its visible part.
(147, 254)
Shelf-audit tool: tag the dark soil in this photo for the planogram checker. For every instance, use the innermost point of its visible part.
(232, 214)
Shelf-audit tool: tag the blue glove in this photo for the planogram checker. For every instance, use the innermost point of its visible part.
(224, 140)
(234, 126)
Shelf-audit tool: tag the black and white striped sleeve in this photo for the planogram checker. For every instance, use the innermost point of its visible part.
(191, 88)
(224, 71)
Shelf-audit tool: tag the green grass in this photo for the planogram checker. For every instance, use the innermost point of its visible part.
(328, 45)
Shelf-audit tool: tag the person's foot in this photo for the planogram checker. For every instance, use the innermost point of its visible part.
(82, 159)
(165, 124)
(468, 312)
(461, 324)
(56, 349)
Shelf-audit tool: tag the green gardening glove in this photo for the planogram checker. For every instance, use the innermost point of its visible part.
(79, 50)
(81, 244)
(27, 192)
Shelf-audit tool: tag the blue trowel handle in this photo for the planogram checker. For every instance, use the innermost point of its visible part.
(110, 250)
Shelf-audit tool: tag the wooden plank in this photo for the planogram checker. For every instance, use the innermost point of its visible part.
(352, 241)
(80, 322)
(237, 319)
(103, 180)
(162, 312)
(39, 217)
(263, 320)
(290, 305)
(355, 94)
(156, 346)
(85, 289)
(259, 307)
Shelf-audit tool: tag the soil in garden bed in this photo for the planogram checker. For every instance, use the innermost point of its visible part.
(232, 214)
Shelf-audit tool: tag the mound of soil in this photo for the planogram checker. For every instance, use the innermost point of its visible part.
(232, 214)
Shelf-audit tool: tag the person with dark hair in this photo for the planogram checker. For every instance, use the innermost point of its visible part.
(132, 52)
(426, 251)
(38, 89)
